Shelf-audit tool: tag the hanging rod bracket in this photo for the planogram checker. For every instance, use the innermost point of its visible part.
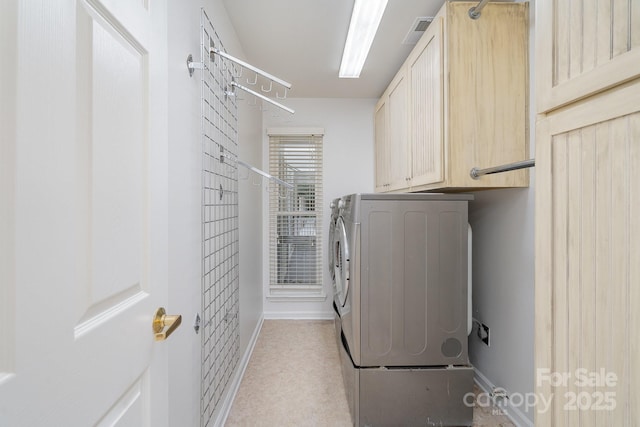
(212, 49)
(229, 92)
(475, 11)
(192, 66)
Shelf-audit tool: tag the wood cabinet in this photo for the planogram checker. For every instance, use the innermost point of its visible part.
(587, 208)
(424, 67)
(465, 85)
(392, 137)
(381, 148)
(587, 47)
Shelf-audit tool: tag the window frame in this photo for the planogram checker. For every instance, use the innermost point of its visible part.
(296, 205)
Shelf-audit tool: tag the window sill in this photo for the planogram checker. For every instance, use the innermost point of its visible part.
(297, 295)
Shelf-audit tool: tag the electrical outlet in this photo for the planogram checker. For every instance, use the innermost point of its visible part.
(484, 333)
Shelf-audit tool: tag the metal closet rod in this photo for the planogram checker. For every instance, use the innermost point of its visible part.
(474, 12)
(261, 96)
(216, 51)
(477, 173)
(266, 175)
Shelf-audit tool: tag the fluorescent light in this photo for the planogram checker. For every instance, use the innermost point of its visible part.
(364, 23)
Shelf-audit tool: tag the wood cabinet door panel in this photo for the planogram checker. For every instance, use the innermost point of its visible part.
(584, 47)
(587, 247)
(426, 107)
(381, 148)
(398, 144)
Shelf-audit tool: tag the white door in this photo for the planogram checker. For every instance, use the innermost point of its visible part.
(83, 212)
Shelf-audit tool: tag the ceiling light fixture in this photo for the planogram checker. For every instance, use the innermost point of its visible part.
(365, 19)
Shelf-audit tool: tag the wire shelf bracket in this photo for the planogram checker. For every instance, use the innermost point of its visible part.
(236, 74)
(261, 96)
(266, 175)
(215, 51)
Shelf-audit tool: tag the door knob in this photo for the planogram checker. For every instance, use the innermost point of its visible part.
(164, 324)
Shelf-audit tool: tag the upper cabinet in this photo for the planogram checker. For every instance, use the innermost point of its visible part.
(381, 148)
(390, 118)
(424, 67)
(465, 103)
(590, 46)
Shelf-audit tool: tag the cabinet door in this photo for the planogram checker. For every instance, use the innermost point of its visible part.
(587, 252)
(587, 46)
(398, 146)
(426, 108)
(587, 204)
(381, 147)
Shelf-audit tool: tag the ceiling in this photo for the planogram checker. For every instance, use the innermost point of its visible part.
(301, 41)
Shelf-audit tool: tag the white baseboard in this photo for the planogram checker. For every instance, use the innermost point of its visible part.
(514, 413)
(299, 315)
(225, 408)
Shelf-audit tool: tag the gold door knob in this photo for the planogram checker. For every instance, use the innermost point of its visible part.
(164, 324)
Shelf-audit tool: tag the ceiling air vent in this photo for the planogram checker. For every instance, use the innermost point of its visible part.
(417, 29)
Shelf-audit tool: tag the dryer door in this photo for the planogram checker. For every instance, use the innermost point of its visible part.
(330, 257)
(341, 261)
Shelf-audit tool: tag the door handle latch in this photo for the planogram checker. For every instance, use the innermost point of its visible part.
(164, 324)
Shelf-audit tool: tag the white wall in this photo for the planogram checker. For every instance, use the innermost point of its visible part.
(348, 168)
(184, 214)
(503, 279)
(250, 206)
(185, 206)
(503, 287)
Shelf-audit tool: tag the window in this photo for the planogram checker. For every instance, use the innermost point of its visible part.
(295, 216)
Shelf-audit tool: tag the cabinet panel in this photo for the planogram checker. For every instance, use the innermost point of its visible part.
(487, 65)
(585, 46)
(381, 148)
(398, 133)
(587, 244)
(426, 109)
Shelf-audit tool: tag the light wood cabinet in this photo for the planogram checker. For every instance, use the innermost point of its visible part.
(587, 46)
(398, 134)
(466, 103)
(424, 67)
(392, 137)
(587, 251)
(381, 148)
(587, 208)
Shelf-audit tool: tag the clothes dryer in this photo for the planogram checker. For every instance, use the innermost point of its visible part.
(333, 206)
(400, 265)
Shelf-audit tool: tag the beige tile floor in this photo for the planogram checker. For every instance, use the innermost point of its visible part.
(294, 379)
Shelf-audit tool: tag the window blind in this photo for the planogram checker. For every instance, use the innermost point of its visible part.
(295, 216)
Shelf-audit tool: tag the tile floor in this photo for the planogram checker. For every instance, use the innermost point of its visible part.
(294, 379)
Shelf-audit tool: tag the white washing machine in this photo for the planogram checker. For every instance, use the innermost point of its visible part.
(400, 265)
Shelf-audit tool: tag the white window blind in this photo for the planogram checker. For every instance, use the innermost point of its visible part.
(295, 216)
